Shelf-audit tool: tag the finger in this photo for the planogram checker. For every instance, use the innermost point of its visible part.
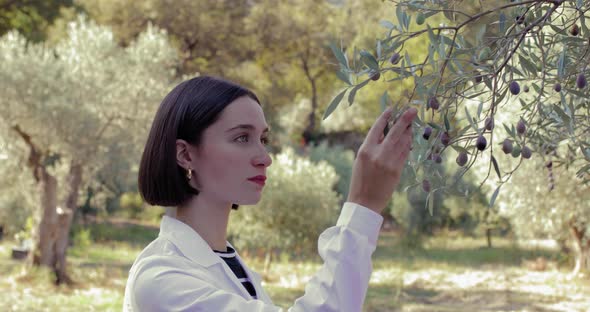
(389, 123)
(404, 144)
(408, 131)
(404, 156)
(400, 130)
(376, 130)
(402, 124)
(407, 143)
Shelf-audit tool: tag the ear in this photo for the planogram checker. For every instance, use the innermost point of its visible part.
(183, 154)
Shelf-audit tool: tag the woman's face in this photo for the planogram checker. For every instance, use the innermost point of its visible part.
(231, 153)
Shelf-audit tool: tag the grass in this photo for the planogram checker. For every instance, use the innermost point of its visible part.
(133, 233)
(458, 274)
(455, 253)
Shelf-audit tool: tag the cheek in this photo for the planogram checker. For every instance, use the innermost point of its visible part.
(221, 165)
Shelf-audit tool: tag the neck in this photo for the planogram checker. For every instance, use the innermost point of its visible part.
(208, 218)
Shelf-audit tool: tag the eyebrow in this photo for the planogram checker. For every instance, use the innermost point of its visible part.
(247, 127)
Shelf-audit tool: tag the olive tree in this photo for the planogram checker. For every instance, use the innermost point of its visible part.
(65, 105)
(500, 84)
(562, 214)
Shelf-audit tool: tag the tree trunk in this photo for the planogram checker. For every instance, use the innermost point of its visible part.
(44, 236)
(66, 216)
(488, 227)
(314, 107)
(50, 238)
(267, 262)
(581, 245)
(52, 234)
(309, 132)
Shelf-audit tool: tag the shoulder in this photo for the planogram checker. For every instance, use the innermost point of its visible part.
(159, 258)
(162, 281)
(156, 261)
(161, 252)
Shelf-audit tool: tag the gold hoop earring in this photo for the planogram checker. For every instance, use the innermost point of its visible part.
(189, 174)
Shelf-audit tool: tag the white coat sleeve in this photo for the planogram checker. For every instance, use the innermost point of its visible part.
(340, 284)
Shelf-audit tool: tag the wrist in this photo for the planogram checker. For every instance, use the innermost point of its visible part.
(371, 205)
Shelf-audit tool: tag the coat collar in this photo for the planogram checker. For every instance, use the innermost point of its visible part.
(195, 248)
(190, 243)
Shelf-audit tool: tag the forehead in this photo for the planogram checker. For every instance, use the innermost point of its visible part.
(243, 110)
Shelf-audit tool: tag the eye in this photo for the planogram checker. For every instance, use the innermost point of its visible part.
(242, 139)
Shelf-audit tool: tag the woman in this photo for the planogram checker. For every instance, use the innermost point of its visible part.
(205, 155)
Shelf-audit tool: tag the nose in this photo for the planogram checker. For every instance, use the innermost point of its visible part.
(262, 159)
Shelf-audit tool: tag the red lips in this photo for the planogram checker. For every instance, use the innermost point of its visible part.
(260, 179)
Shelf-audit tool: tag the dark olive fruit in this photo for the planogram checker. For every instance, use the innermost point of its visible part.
(420, 18)
(521, 127)
(433, 103)
(507, 146)
(426, 186)
(427, 133)
(395, 58)
(575, 30)
(514, 87)
(445, 139)
(519, 19)
(557, 87)
(462, 159)
(581, 81)
(478, 78)
(489, 123)
(526, 152)
(375, 75)
(437, 158)
(516, 151)
(481, 143)
(549, 164)
(525, 89)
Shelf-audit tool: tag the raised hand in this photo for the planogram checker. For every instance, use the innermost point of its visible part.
(381, 160)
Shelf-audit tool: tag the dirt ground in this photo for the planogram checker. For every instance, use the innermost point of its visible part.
(493, 289)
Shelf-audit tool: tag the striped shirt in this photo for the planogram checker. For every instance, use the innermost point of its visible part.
(231, 260)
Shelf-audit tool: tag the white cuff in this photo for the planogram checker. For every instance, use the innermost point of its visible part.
(361, 219)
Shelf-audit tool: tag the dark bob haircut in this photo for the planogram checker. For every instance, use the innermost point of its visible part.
(185, 113)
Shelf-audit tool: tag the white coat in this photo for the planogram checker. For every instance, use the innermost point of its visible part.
(178, 271)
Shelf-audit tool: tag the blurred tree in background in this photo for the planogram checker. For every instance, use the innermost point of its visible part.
(562, 214)
(65, 106)
(16, 202)
(280, 49)
(30, 17)
(210, 35)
